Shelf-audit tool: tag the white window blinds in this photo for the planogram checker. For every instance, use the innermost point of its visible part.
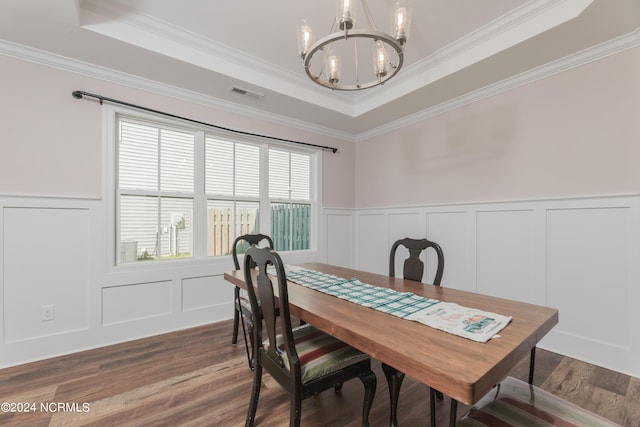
(289, 175)
(233, 169)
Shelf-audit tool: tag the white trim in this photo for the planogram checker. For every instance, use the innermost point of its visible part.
(577, 59)
(531, 19)
(48, 59)
(586, 56)
(583, 57)
(449, 205)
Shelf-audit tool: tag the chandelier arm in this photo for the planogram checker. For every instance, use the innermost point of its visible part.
(355, 48)
(368, 15)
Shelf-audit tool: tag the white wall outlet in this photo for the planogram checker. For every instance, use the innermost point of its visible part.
(47, 312)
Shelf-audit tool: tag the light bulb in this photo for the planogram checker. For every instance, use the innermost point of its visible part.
(305, 37)
(401, 22)
(332, 65)
(345, 13)
(380, 60)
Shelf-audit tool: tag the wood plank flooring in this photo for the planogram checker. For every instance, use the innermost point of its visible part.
(196, 377)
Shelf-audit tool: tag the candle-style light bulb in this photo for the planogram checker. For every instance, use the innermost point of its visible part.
(380, 60)
(345, 13)
(305, 37)
(332, 65)
(401, 22)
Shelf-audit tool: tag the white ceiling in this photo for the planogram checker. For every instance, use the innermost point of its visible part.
(206, 47)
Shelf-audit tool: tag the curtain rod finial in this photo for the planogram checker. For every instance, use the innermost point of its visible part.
(77, 94)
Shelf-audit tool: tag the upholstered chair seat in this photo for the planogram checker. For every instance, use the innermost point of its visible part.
(320, 354)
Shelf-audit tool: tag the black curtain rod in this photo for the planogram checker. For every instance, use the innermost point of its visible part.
(79, 94)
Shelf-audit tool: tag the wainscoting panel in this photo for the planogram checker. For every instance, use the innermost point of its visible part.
(505, 256)
(579, 255)
(205, 292)
(340, 238)
(588, 274)
(372, 243)
(46, 267)
(453, 231)
(135, 302)
(409, 224)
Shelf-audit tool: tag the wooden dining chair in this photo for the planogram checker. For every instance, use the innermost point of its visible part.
(412, 269)
(303, 360)
(242, 308)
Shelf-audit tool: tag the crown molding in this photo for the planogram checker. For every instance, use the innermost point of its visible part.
(595, 53)
(586, 56)
(133, 27)
(516, 26)
(90, 70)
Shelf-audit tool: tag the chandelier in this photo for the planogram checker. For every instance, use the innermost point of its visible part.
(342, 48)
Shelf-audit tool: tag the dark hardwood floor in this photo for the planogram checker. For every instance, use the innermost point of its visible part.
(196, 377)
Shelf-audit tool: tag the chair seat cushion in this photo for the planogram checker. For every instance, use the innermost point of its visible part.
(516, 403)
(320, 354)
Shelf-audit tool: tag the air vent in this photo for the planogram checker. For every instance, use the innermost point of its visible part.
(244, 92)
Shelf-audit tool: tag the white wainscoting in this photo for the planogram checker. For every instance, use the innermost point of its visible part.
(578, 255)
(53, 252)
(340, 237)
(45, 263)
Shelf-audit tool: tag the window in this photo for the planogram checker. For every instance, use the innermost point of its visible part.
(184, 192)
(233, 192)
(290, 199)
(155, 192)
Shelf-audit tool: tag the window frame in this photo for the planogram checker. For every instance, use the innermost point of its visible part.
(160, 195)
(111, 116)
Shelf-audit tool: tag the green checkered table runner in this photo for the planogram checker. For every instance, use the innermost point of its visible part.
(400, 304)
(466, 322)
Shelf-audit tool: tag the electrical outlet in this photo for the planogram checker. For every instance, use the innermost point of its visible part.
(47, 312)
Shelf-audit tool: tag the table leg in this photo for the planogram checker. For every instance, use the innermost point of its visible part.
(453, 413)
(394, 382)
(532, 364)
(432, 406)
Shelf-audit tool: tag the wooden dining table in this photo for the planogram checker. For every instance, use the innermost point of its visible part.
(460, 368)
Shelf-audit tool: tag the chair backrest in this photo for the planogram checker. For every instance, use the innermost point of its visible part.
(413, 267)
(266, 301)
(250, 239)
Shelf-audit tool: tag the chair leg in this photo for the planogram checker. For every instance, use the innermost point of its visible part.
(532, 363)
(394, 381)
(296, 408)
(248, 343)
(453, 413)
(369, 381)
(236, 322)
(255, 395)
